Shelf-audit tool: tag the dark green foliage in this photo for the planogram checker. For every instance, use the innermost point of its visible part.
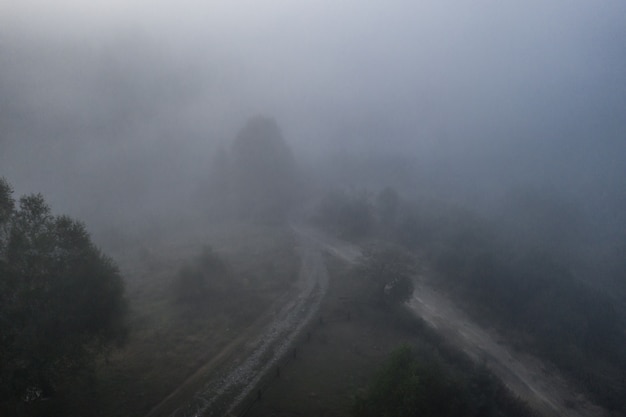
(61, 299)
(7, 207)
(421, 384)
(7, 204)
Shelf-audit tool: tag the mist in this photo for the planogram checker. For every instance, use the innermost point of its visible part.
(445, 175)
(114, 110)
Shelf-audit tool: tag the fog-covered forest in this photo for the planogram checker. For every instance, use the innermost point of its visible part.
(172, 173)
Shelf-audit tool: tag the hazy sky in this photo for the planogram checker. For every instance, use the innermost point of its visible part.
(539, 87)
(428, 67)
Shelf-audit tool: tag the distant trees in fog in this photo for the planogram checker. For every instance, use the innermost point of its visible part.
(256, 178)
(348, 214)
(357, 214)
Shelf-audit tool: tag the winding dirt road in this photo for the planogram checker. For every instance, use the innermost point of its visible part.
(539, 384)
(238, 370)
(231, 376)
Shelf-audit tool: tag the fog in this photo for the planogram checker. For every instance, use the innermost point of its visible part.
(263, 168)
(114, 110)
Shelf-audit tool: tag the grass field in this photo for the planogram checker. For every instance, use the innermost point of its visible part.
(169, 341)
(337, 359)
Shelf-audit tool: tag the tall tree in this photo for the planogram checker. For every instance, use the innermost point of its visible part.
(61, 299)
(263, 170)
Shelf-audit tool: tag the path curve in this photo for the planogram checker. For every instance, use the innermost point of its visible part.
(536, 382)
(256, 356)
(539, 384)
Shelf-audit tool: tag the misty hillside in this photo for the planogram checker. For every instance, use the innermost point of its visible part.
(321, 208)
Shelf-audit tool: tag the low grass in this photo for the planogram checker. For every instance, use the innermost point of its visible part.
(168, 341)
(338, 358)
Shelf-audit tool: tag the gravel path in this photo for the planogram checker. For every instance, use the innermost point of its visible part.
(225, 392)
(539, 384)
(528, 377)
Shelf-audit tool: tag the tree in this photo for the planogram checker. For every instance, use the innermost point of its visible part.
(263, 171)
(61, 299)
(207, 275)
(7, 206)
(389, 272)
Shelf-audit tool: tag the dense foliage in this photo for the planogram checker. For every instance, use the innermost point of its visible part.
(61, 300)
(421, 384)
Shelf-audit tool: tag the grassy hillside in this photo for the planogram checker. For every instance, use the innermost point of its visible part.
(171, 338)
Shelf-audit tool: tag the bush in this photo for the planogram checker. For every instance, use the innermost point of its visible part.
(413, 383)
(205, 277)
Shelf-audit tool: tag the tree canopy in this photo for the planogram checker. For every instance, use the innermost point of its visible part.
(61, 299)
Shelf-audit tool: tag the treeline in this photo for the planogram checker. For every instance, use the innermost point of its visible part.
(421, 383)
(523, 286)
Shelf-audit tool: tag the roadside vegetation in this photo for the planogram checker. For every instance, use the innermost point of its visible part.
(521, 282)
(413, 382)
(187, 304)
(356, 361)
(81, 336)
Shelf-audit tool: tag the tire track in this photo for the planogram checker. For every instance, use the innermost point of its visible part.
(541, 386)
(224, 392)
(538, 383)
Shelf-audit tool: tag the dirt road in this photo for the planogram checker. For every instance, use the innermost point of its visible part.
(249, 358)
(225, 381)
(539, 384)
